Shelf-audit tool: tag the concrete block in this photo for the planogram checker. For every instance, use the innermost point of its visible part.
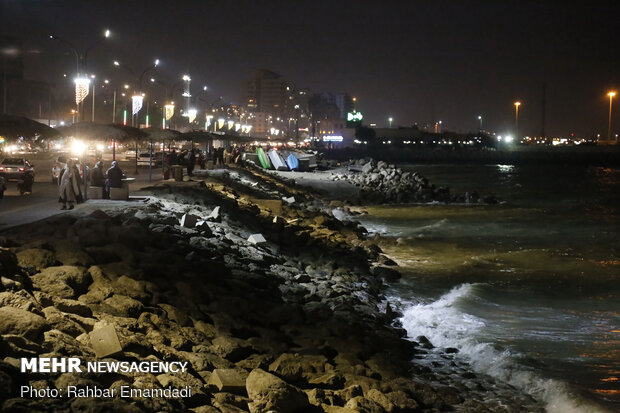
(120, 194)
(227, 380)
(95, 192)
(105, 341)
(289, 200)
(257, 239)
(214, 216)
(189, 220)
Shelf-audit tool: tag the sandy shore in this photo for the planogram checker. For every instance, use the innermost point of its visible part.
(294, 323)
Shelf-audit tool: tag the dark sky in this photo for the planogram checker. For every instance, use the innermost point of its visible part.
(415, 60)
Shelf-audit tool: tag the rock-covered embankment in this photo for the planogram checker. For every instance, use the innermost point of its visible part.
(295, 323)
(381, 182)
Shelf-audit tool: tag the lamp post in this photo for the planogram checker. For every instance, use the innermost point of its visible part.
(611, 96)
(480, 120)
(390, 119)
(517, 104)
(138, 95)
(81, 59)
(187, 93)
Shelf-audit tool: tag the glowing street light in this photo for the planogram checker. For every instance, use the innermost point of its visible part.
(390, 119)
(81, 85)
(611, 96)
(480, 119)
(187, 93)
(517, 104)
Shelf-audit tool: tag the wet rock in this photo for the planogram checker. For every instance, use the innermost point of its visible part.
(386, 273)
(269, 392)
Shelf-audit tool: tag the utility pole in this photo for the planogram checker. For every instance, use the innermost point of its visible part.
(544, 108)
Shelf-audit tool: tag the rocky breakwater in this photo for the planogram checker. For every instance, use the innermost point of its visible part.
(281, 323)
(381, 182)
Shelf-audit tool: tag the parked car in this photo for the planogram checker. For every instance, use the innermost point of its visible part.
(14, 169)
(59, 163)
(144, 158)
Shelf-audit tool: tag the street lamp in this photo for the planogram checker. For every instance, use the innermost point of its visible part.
(138, 97)
(611, 96)
(517, 104)
(81, 84)
(136, 77)
(390, 119)
(480, 119)
(187, 93)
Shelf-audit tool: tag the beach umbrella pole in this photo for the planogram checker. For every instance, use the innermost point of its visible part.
(136, 156)
(151, 161)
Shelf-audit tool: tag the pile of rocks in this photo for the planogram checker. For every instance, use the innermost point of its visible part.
(291, 324)
(381, 182)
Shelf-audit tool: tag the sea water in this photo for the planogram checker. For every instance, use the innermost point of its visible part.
(527, 290)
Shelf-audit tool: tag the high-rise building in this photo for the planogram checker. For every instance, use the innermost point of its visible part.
(266, 92)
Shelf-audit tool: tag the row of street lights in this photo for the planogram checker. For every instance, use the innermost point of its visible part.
(517, 103)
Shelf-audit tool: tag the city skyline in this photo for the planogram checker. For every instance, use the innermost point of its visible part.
(412, 62)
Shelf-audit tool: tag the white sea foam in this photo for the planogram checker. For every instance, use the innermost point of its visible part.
(445, 325)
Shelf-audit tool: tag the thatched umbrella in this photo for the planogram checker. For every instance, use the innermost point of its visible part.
(17, 126)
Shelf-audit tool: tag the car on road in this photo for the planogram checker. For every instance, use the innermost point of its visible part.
(59, 163)
(14, 169)
(144, 158)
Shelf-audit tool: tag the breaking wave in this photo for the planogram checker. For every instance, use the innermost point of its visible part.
(445, 325)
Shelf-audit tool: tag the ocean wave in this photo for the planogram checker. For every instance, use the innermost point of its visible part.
(445, 325)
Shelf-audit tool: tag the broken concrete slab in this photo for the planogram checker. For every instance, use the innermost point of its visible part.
(257, 239)
(189, 220)
(215, 216)
(104, 341)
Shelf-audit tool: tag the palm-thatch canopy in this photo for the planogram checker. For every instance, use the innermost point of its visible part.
(97, 131)
(13, 127)
(159, 134)
(198, 136)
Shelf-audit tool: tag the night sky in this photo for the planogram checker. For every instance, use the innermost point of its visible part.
(414, 61)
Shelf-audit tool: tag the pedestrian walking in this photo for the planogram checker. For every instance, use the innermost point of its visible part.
(69, 184)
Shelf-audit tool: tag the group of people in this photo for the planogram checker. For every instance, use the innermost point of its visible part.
(70, 182)
(228, 155)
(186, 158)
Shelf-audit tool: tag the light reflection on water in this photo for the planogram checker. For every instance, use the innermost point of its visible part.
(546, 264)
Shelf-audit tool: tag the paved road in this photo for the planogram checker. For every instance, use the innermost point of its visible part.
(16, 209)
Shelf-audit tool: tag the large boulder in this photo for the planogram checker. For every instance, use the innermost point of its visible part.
(22, 323)
(269, 392)
(36, 257)
(65, 281)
